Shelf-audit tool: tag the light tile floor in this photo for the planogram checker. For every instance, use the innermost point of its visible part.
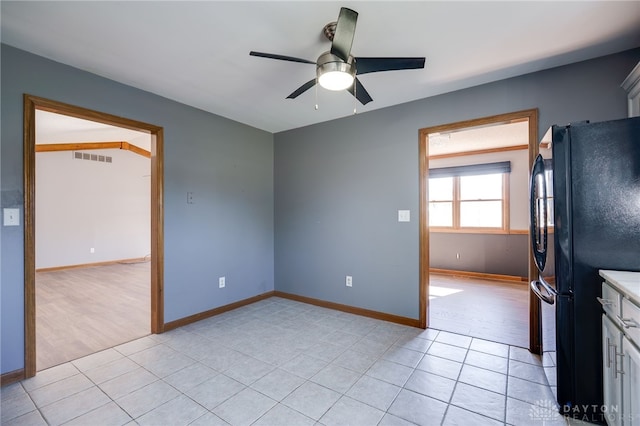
(280, 362)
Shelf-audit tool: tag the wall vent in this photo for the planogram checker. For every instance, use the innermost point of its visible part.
(92, 157)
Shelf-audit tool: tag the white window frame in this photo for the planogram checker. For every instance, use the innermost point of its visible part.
(456, 227)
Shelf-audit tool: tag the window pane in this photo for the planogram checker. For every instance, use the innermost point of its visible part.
(481, 187)
(441, 189)
(481, 214)
(441, 214)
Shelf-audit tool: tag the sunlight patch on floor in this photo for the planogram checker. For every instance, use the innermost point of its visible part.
(435, 291)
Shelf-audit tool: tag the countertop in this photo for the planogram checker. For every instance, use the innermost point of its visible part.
(628, 283)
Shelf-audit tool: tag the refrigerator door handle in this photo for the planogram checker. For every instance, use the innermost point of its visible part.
(538, 204)
(547, 293)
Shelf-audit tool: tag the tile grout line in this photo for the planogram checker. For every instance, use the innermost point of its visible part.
(393, 338)
(455, 385)
(506, 385)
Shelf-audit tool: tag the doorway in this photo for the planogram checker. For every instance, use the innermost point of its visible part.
(33, 104)
(476, 221)
(92, 237)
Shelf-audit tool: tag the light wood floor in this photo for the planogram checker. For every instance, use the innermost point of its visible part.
(491, 310)
(85, 310)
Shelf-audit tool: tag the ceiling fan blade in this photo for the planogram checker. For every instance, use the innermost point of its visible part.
(280, 57)
(367, 65)
(300, 90)
(345, 30)
(361, 93)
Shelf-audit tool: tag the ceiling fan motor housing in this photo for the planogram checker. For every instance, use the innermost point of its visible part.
(331, 67)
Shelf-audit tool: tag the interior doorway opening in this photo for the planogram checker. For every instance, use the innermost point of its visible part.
(32, 107)
(92, 237)
(474, 260)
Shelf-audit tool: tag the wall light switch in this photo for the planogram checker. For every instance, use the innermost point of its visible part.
(11, 217)
(404, 215)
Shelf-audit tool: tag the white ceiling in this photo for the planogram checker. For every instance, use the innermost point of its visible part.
(197, 53)
(56, 128)
(479, 138)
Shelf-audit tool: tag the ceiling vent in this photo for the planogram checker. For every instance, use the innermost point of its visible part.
(92, 157)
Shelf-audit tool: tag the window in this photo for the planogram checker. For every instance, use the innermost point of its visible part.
(469, 197)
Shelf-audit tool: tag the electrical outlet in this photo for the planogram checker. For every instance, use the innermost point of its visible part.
(349, 281)
(458, 256)
(221, 282)
(92, 250)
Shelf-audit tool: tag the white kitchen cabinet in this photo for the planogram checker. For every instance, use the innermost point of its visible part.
(630, 384)
(632, 86)
(620, 347)
(612, 379)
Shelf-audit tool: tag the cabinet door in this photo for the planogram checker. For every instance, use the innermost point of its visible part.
(631, 384)
(612, 383)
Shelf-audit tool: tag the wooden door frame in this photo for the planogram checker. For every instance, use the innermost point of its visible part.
(535, 344)
(33, 103)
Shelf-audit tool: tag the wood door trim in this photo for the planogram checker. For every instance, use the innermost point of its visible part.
(479, 151)
(423, 252)
(83, 146)
(77, 146)
(30, 105)
(531, 115)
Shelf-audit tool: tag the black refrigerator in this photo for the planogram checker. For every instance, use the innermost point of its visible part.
(585, 209)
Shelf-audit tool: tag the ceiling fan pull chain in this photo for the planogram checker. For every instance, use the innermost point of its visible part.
(316, 86)
(355, 98)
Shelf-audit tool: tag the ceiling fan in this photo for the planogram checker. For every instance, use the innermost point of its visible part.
(337, 69)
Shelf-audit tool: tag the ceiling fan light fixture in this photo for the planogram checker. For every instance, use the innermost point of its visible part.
(335, 74)
(335, 80)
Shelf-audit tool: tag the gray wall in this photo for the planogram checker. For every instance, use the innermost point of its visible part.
(339, 184)
(502, 254)
(486, 253)
(228, 166)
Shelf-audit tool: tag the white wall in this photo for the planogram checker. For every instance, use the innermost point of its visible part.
(518, 180)
(83, 204)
